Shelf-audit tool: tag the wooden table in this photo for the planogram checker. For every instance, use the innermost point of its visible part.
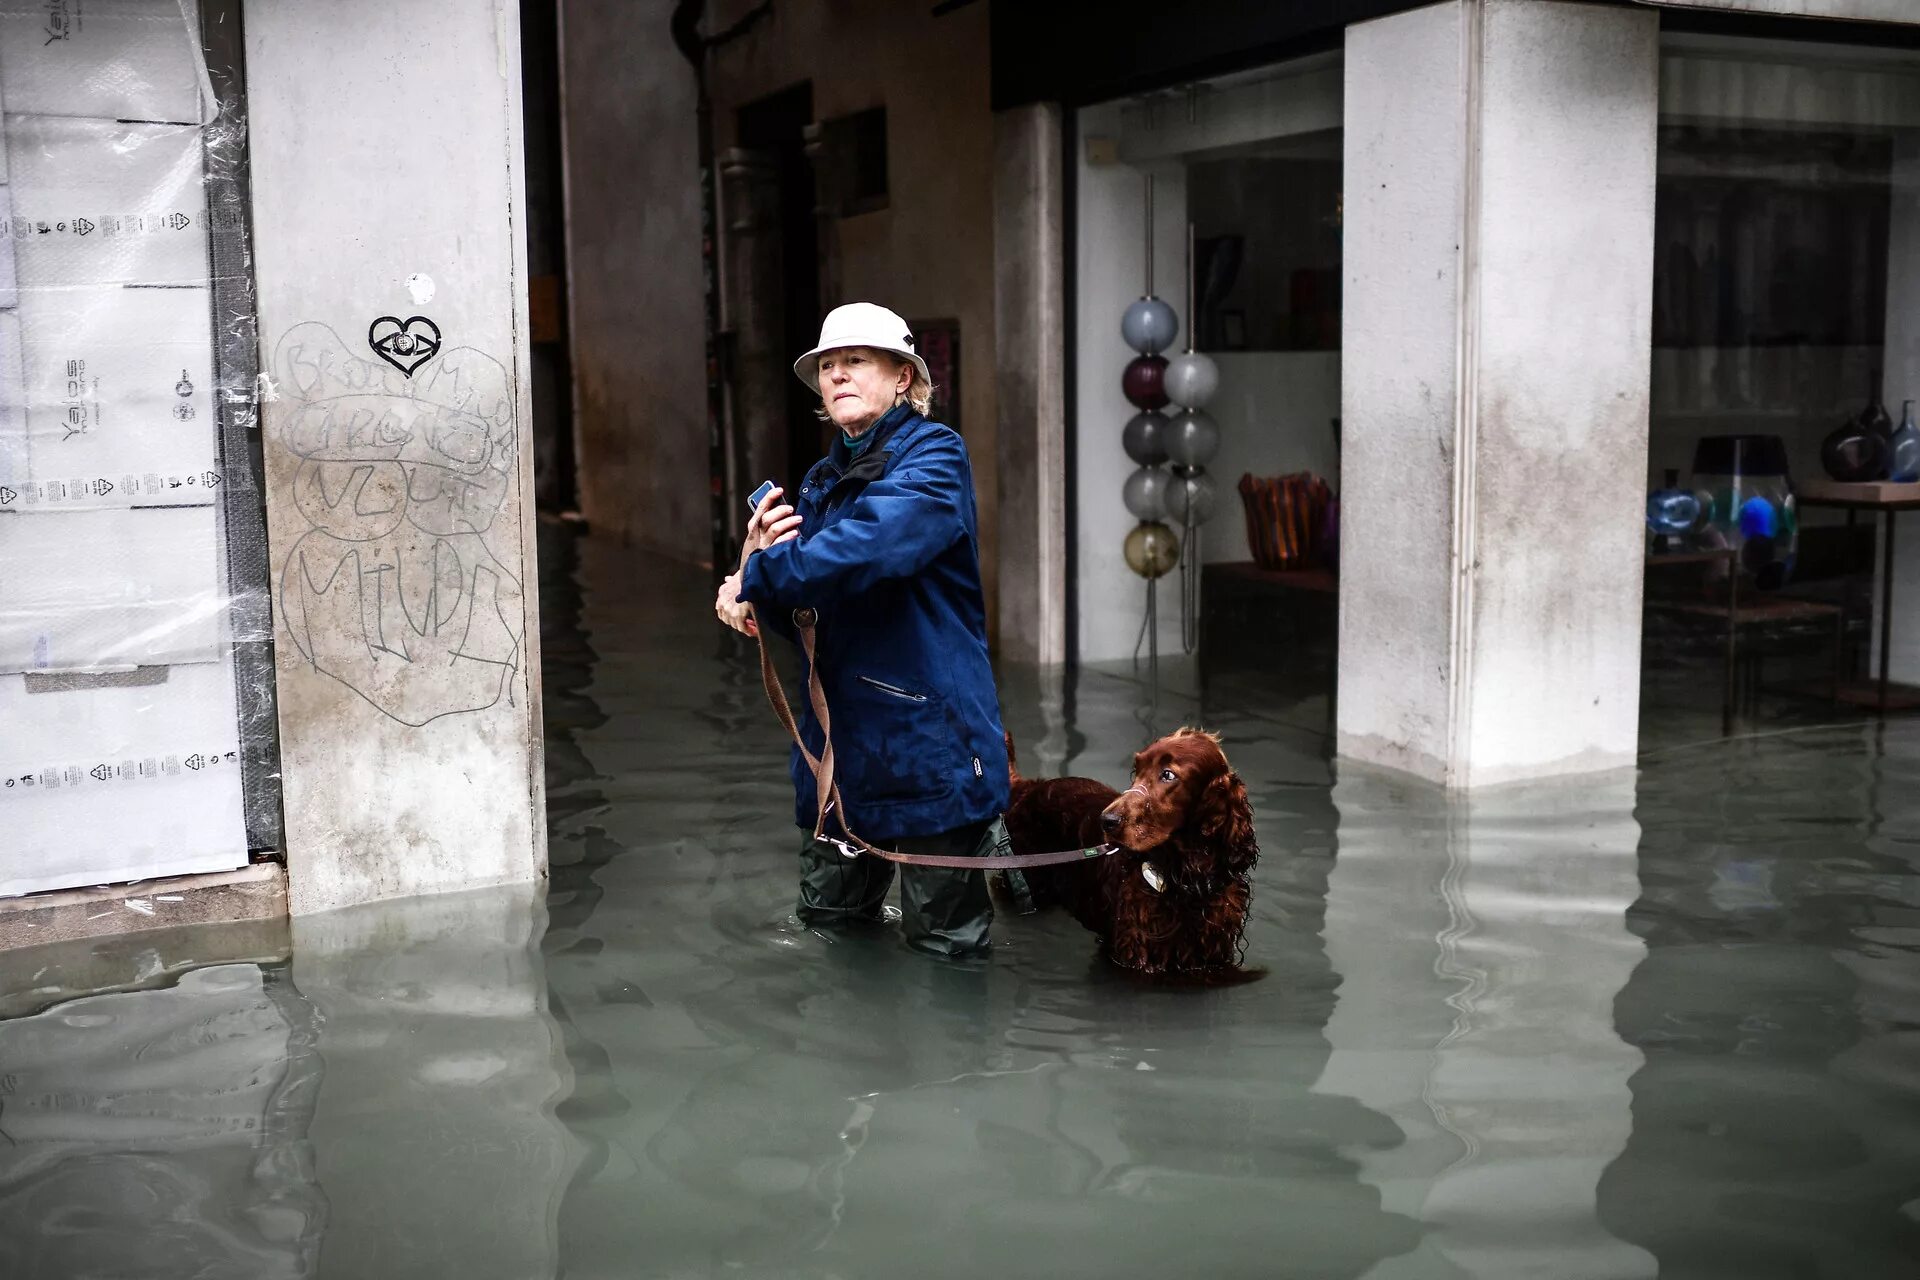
(1888, 499)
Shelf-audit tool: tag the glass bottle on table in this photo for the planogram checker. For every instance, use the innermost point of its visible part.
(1904, 464)
(1672, 512)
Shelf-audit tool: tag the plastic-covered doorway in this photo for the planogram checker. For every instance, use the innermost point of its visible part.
(133, 613)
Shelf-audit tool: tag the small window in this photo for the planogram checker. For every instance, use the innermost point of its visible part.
(850, 162)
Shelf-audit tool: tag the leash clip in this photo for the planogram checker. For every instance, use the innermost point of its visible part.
(846, 850)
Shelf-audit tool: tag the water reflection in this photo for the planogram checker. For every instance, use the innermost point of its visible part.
(1482, 942)
(432, 1128)
(162, 1132)
(380, 1107)
(1775, 1129)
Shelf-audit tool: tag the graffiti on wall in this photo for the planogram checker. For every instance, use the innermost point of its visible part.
(406, 461)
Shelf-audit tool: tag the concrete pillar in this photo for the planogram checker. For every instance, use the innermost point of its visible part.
(1496, 337)
(1030, 328)
(390, 260)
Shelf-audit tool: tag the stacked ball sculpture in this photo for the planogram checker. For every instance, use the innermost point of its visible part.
(1149, 326)
(1155, 493)
(1188, 440)
(1191, 437)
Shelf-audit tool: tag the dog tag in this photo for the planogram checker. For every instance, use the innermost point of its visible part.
(1151, 874)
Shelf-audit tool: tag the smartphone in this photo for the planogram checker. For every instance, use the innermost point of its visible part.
(753, 501)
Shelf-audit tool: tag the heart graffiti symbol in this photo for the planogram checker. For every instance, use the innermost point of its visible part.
(404, 344)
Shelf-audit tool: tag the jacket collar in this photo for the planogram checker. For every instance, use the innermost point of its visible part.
(872, 462)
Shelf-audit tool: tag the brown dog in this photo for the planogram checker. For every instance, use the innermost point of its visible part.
(1174, 899)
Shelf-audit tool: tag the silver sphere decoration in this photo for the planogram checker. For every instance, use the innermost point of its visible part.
(1192, 438)
(1144, 437)
(1149, 326)
(1191, 380)
(1191, 498)
(1146, 493)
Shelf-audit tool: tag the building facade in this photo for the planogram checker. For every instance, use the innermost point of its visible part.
(266, 585)
(1482, 270)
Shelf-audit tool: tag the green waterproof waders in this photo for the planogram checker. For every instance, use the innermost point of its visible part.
(943, 912)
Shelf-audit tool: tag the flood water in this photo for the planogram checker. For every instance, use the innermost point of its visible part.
(1664, 1024)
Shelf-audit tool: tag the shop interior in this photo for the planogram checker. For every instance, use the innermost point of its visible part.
(1786, 355)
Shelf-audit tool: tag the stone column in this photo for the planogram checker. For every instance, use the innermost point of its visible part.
(1497, 332)
(1030, 331)
(390, 261)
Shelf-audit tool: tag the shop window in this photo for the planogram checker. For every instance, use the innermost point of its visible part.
(1777, 245)
(1771, 238)
(1784, 327)
(1267, 249)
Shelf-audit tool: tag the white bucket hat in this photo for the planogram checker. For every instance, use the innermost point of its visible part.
(860, 324)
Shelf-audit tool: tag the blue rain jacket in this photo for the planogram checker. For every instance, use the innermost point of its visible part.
(888, 556)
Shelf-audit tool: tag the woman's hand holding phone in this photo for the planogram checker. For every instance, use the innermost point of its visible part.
(772, 523)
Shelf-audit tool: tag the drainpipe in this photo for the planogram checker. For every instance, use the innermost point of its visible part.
(694, 47)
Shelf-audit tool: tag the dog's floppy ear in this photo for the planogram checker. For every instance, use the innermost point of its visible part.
(1226, 819)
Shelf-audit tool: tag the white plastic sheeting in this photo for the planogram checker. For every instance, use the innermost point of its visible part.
(119, 746)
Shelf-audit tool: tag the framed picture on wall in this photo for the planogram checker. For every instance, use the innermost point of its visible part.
(938, 342)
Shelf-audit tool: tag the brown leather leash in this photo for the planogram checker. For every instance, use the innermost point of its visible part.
(827, 794)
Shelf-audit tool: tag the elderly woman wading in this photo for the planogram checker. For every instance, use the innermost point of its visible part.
(884, 546)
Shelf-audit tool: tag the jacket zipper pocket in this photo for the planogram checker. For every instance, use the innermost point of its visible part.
(895, 690)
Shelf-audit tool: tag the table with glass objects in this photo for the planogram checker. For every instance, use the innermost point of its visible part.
(1888, 500)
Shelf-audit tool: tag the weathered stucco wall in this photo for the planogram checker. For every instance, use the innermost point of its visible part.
(637, 319)
(392, 303)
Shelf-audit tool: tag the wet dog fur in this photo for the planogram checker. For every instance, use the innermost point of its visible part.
(1186, 815)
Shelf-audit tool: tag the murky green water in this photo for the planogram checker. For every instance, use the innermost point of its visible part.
(1666, 1025)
